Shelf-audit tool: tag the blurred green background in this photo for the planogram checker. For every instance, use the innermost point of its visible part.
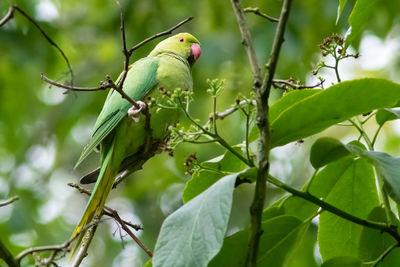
(43, 130)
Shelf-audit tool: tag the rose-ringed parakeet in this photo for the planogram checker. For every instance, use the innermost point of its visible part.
(120, 130)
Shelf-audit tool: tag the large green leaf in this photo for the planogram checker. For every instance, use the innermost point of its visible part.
(278, 239)
(339, 102)
(290, 205)
(201, 180)
(392, 259)
(348, 184)
(193, 235)
(359, 16)
(326, 150)
(346, 261)
(387, 114)
(342, 4)
(289, 100)
(387, 167)
(373, 242)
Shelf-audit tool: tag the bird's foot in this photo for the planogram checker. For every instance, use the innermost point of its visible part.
(134, 112)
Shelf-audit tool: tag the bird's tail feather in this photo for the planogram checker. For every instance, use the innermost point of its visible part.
(98, 198)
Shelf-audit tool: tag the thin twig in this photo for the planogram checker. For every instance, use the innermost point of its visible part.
(107, 84)
(215, 136)
(9, 201)
(128, 231)
(256, 11)
(169, 31)
(105, 210)
(87, 239)
(246, 41)
(56, 249)
(10, 15)
(277, 83)
(223, 114)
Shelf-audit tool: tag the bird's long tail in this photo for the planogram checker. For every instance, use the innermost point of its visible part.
(99, 195)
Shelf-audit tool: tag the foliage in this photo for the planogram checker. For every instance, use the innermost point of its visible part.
(194, 205)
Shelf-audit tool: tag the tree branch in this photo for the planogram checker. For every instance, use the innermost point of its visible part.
(256, 11)
(262, 91)
(10, 15)
(6, 255)
(129, 232)
(56, 249)
(281, 84)
(9, 201)
(106, 209)
(87, 239)
(246, 41)
(114, 214)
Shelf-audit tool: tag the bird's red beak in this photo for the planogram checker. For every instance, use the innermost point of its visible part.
(196, 51)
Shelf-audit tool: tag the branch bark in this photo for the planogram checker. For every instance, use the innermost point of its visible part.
(248, 44)
(9, 201)
(6, 255)
(262, 90)
(256, 11)
(87, 239)
(264, 140)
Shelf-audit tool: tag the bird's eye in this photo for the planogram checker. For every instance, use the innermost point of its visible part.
(181, 40)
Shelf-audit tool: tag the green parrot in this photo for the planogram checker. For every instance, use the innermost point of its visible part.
(120, 130)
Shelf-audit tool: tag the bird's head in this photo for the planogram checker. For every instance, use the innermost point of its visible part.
(182, 44)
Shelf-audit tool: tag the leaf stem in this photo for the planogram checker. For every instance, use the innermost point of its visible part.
(363, 134)
(390, 229)
(384, 254)
(376, 135)
(215, 136)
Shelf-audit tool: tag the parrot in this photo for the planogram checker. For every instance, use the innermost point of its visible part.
(120, 131)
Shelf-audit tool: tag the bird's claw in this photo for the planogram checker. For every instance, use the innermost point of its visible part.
(134, 112)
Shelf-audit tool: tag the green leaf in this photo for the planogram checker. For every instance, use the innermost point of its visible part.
(275, 244)
(298, 207)
(387, 114)
(200, 181)
(387, 167)
(342, 4)
(289, 100)
(149, 263)
(346, 261)
(290, 205)
(325, 108)
(359, 16)
(193, 235)
(392, 259)
(348, 184)
(373, 242)
(326, 150)
(274, 209)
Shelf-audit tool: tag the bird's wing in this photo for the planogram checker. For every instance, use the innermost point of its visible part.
(141, 78)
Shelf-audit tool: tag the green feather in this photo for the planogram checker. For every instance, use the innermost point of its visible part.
(122, 140)
(141, 78)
